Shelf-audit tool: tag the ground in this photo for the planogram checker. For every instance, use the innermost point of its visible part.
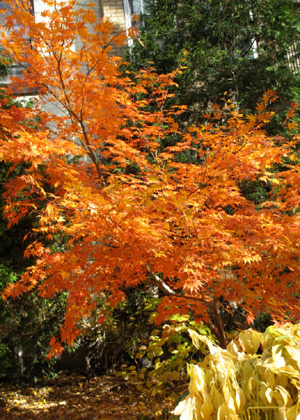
(74, 397)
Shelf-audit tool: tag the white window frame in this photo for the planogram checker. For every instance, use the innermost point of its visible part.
(128, 15)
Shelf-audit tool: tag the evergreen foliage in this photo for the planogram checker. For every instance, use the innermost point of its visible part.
(241, 48)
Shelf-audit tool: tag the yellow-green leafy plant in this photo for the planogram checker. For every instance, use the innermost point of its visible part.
(163, 358)
(257, 377)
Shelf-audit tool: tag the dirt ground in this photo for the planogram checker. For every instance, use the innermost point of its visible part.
(74, 397)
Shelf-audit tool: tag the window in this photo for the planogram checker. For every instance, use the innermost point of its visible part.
(14, 70)
(132, 7)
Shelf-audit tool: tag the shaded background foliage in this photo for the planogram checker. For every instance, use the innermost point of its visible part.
(241, 48)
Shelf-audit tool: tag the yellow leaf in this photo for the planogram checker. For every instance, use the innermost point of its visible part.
(207, 407)
(250, 340)
(291, 413)
(240, 400)
(282, 396)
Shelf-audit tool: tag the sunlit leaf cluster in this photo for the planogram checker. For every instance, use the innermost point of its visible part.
(255, 377)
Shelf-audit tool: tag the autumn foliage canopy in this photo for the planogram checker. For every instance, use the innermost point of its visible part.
(123, 209)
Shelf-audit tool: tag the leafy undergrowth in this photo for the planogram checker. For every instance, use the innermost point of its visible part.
(73, 397)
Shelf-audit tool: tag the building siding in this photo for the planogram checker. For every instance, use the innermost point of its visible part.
(114, 11)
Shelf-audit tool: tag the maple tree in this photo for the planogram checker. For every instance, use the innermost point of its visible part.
(128, 211)
(26, 324)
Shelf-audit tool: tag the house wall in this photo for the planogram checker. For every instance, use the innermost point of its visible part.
(114, 11)
(39, 7)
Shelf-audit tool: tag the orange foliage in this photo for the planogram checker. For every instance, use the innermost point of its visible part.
(167, 222)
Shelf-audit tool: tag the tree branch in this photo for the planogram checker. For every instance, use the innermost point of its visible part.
(161, 284)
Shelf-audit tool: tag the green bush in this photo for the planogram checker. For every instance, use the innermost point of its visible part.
(161, 359)
(235, 47)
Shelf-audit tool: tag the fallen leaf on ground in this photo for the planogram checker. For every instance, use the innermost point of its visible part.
(74, 398)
